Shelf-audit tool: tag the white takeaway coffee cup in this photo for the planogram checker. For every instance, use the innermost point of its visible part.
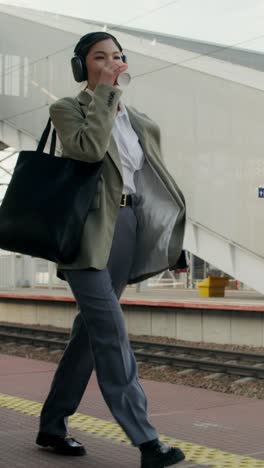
(123, 79)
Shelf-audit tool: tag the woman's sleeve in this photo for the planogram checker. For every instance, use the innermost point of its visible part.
(86, 138)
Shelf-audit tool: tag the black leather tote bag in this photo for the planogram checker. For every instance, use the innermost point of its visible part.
(46, 203)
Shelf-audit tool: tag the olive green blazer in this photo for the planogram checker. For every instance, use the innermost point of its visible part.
(84, 127)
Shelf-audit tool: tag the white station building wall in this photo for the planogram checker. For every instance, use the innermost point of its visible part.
(210, 113)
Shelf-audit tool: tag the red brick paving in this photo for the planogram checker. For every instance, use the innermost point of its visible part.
(227, 422)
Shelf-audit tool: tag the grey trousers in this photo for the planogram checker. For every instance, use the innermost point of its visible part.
(99, 341)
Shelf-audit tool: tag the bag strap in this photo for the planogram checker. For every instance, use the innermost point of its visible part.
(44, 138)
(53, 143)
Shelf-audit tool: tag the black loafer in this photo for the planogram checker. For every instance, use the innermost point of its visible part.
(161, 455)
(63, 445)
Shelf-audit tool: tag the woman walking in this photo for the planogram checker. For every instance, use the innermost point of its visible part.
(133, 231)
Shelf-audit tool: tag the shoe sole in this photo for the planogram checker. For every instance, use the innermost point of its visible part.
(77, 452)
(170, 462)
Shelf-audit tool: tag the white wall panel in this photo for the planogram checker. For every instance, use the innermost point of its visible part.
(213, 141)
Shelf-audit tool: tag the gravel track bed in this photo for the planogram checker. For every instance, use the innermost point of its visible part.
(253, 388)
(167, 340)
(198, 344)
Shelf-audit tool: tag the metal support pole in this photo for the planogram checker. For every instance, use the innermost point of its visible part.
(191, 271)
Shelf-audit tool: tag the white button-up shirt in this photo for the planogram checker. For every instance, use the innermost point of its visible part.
(130, 151)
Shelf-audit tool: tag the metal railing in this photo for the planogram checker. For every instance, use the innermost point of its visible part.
(22, 271)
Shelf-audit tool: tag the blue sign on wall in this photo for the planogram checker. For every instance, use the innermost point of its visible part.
(261, 192)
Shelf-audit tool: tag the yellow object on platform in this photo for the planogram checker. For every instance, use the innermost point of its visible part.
(213, 286)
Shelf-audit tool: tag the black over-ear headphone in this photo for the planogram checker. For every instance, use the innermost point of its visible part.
(78, 64)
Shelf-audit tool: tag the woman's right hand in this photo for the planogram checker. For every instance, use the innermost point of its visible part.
(111, 71)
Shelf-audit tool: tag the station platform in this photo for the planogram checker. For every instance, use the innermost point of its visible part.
(213, 429)
(236, 319)
(161, 297)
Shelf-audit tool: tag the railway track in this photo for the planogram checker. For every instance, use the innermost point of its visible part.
(179, 356)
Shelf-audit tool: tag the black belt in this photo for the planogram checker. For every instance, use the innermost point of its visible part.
(126, 200)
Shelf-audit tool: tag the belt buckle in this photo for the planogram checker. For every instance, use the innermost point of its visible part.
(123, 203)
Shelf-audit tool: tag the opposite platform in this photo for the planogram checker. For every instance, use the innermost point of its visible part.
(237, 319)
(213, 429)
(164, 297)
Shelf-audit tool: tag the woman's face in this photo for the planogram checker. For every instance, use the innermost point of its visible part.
(101, 53)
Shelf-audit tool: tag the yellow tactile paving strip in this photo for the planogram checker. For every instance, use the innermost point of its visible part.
(108, 430)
